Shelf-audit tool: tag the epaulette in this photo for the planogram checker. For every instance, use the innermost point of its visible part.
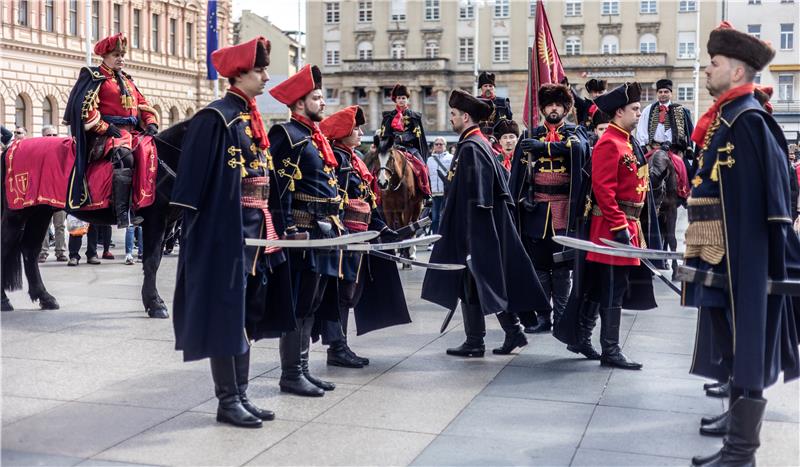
(293, 132)
(228, 118)
(94, 73)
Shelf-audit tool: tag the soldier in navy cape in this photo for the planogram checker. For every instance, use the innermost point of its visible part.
(310, 203)
(546, 180)
(740, 226)
(227, 293)
(382, 303)
(478, 231)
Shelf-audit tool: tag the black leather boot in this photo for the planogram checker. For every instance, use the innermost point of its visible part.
(514, 335)
(230, 409)
(712, 385)
(242, 381)
(542, 324)
(305, 348)
(715, 426)
(363, 360)
(609, 339)
(586, 322)
(338, 356)
(723, 390)
(121, 183)
(561, 285)
(475, 328)
(742, 441)
(292, 379)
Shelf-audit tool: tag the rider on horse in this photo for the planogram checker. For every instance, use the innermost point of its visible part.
(402, 127)
(106, 114)
(501, 111)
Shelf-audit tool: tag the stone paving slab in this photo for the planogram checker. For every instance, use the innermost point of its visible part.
(98, 384)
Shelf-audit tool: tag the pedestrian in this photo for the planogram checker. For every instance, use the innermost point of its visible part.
(224, 189)
(546, 179)
(74, 246)
(58, 220)
(20, 133)
(438, 165)
(130, 233)
(499, 278)
(739, 222)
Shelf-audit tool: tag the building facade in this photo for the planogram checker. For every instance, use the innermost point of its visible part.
(365, 47)
(285, 56)
(42, 44)
(775, 21)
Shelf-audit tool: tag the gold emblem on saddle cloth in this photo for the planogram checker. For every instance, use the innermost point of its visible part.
(21, 182)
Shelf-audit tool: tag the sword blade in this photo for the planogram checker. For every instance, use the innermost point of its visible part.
(397, 259)
(315, 243)
(790, 287)
(676, 255)
(449, 316)
(661, 276)
(419, 241)
(586, 245)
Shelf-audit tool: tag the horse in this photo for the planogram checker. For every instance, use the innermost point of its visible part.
(400, 197)
(667, 195)
(24, 229)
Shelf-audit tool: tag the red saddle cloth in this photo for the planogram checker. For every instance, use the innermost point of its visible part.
(420, 173)
(37, 171)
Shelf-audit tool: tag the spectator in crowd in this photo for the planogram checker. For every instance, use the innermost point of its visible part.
(97, 233)
(59, 220)
(438, 167)
(20, 132)
(129, 234)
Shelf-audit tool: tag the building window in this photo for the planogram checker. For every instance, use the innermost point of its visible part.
(609, 7)
(685, 6)
(73, 17)
(387, 95)
(22, 13)
(21, 112)
(686, 44)
(647, 44)
(154, 40)
(95, 19)
(174, 116)
(49, 111)
(431, 49)
(648, 93)
(331, 96)
(787, 36)
(398, 10)
(466, 50)
(48, 15)
(365, 11)
(532, 8)
(332, 54)
(117, 18)
(647, 7)
(361, 96)
(573, 8)
(364, 51)
(572, 45)
(332, 12)
(754, 30)
(685, 92)
(500, 54)
(431, 10)
(501, 9)
(398, 50)
(173, 36)
(189, 36)
(785, 87)
(609, 45)
(754, 2)
(136, 38)
(428, 96)
(466, 11)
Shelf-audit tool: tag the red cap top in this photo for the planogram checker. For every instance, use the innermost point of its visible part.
(298, 85)
(237, 59)
(111, 43)
(340, 124)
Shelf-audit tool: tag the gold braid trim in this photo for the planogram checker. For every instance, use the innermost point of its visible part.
(90, 102)
(705, 239)
(150, 110)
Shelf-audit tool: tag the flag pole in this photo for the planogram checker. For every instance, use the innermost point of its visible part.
(530, 89)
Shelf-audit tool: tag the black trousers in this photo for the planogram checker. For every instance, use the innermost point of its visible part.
(93, 236)
(609, 284)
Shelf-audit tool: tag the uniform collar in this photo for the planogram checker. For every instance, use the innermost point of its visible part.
(106, 71)
(469, 132)
(618, 130)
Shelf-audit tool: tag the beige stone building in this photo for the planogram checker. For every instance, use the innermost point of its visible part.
(42, 48)
(286, 53)
(364, 47)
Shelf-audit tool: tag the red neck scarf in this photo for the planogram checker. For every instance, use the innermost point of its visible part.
(552, 133)
(507, 159)
(699, 133)
(357, 163)
(256, 124)
(319, 140)
(397, 121)
(662, 113)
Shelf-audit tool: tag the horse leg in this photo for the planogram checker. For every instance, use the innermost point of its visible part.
(153, 230)
(35, 230)
(13, 227)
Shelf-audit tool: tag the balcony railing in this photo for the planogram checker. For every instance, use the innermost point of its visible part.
(784, 107)
(393, 65)
(600, 61)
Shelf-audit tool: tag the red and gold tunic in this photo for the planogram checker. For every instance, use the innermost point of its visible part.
(119, 103)
(620, 181)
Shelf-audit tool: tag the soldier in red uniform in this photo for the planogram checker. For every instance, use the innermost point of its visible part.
(105, 112)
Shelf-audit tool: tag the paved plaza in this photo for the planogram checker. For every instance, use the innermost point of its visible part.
(98, 383)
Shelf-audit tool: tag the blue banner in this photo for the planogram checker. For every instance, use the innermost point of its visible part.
(212, 39)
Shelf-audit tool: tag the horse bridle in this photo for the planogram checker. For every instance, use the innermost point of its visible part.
(392, 172)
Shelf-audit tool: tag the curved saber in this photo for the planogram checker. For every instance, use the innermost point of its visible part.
(397, 259)
(629, 252)
(672, 255)
(315, 243)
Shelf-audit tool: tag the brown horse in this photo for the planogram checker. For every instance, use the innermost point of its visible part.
(399, 196)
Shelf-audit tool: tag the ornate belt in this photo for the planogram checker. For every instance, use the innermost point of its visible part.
(255, 195)
(256, 190)
(357, 214)
(705, 238)
(631, 210)
(705, 212)
(307, 208)
(552, 189)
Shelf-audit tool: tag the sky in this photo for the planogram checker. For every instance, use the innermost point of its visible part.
(282, 13)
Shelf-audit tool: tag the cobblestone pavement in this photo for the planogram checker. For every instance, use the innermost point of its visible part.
(97, 383)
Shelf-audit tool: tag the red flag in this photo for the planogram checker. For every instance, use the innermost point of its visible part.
(545, 61)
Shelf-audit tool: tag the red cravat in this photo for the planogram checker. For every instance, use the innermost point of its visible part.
(552, 134)
(662, 113)
(397, 121)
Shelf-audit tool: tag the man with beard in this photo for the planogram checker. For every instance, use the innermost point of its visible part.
(507, 133)
(310, 203)
(666, 124)
(740, 231)
(223, 185)
(499, 278)
(545, 181)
